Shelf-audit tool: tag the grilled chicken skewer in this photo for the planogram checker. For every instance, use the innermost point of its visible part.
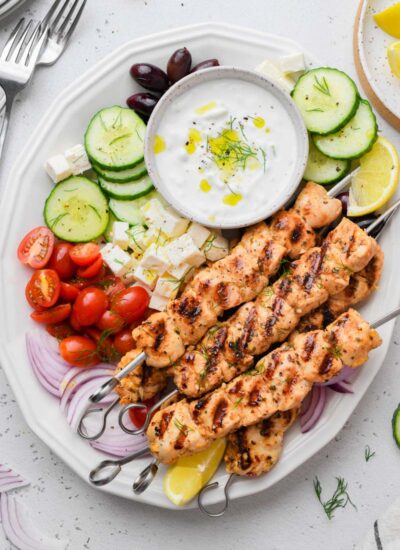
(279, 382)
(237, 278)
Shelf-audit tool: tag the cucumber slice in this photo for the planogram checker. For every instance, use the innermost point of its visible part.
(124, 176)
(127, 191)
(322, 169)
(76, 210)
(129, 211)
(327, 98)
(355, 139)
(114, 139)
(396, 425)
(108, 235)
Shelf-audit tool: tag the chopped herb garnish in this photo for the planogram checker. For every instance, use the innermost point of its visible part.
(368, 453)
(321, 85)
(339, 499)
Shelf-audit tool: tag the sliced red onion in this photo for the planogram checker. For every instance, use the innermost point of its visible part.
(19, 530)
(342, 375)
(10, 479)
(315, 409)
(341, 387)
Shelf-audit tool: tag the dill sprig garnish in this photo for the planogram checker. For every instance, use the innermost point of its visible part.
(322, 85)
(339, 499)
(368, 453)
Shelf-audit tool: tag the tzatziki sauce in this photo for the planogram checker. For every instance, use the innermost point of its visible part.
(224, 149)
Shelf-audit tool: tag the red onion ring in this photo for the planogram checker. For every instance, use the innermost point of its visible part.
(340, 377)
(315, 410)
(341, 387)
(10, 479)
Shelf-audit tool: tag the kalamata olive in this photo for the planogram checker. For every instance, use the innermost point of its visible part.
(205, 65)
(142, 102)
(344, 199)
(150, 77)
(179, 65)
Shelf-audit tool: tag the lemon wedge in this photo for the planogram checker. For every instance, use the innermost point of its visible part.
(389, 20)
(189, 474)
(393, 54)
(376, 181)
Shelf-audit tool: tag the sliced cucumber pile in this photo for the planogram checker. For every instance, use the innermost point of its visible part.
(123, 176)
(129, 211)
(396, 425)
(322, 169)
(327, 98)
(114, 139)
(355, 139)
(76, 210)
(127, 191)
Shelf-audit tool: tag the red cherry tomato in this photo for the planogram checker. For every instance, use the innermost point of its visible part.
(52, 315)
(138, 416)
(36, 247)
(61, 261)
(79, 351)
(105, 346)
(123, 341)
(91, 270)
(73, 321)
(43, 289)
(68, 293)
(131, 303)
(85, 253)
(60, 331)
(90, 305)
(112, 285)
(110, 321)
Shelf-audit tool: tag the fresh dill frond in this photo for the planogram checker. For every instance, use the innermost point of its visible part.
(368, 453)
(339, 499)
(321, 85)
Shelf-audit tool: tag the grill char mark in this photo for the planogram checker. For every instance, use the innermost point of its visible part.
(219, 414)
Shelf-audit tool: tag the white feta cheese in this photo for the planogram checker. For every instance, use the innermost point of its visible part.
(58, 168)
(129, 275)
(155, 258)
(145, 276)
(269, 69)
(117, 259)
(158, 302)
(183, 250)
(167, 286)
(136, 236)
(152, 212)
(173, 224)
(216, 247)
(294, 63)
(78, 160)
(180, 271)
(198, 233)
(154, 235)
(120, 234)
(164, 218)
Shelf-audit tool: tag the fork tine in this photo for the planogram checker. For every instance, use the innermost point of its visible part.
(49, 18)
(14, 37)
(41, 35)
(20, 46)
(74, 23)
(67, 19)
(58, 17)
(30, 44)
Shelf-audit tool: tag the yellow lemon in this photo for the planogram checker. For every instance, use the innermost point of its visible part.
(377, 179)
(189, 474)
(393, 54)
(389, 20)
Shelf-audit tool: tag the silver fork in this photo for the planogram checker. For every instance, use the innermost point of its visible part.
(17, 64)
(61, 19)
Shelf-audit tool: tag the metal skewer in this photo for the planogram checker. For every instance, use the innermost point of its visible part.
(107, 470)
(339, 187)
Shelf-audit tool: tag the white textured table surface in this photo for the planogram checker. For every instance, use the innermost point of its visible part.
(287, 516)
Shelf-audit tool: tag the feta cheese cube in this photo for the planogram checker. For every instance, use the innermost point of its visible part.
(165, 219)
(136, 236)
(167, 286)
(58, 168)
(117, 259)
(173, 224)
(269, 69)
(292, 63)
(198, 233)
(216, 247)
(120, 234)
(129, 276)
(180, 271)
(183, 250)
(155, 258)
(78, 160)
(158, 302)
(145, 276)
(154, 235)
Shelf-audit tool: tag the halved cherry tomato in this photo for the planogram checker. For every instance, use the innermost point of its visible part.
(79, 351)
(123, 341)
(85, 253)
(131, 303)
(105, 346)
(60, 331)
(138, 416)
(68, 292)
(91, 270)
(82, 283)
(90, 305)
(43, 288)
(61, 261)
(110, 321)
(36, 247)
(52, 315)
(112, 285)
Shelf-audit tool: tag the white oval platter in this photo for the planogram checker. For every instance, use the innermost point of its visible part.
(109, 83)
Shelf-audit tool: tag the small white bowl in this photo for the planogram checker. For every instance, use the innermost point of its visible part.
(276, 200)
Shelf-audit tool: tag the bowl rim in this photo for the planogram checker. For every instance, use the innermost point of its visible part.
(215, 73)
